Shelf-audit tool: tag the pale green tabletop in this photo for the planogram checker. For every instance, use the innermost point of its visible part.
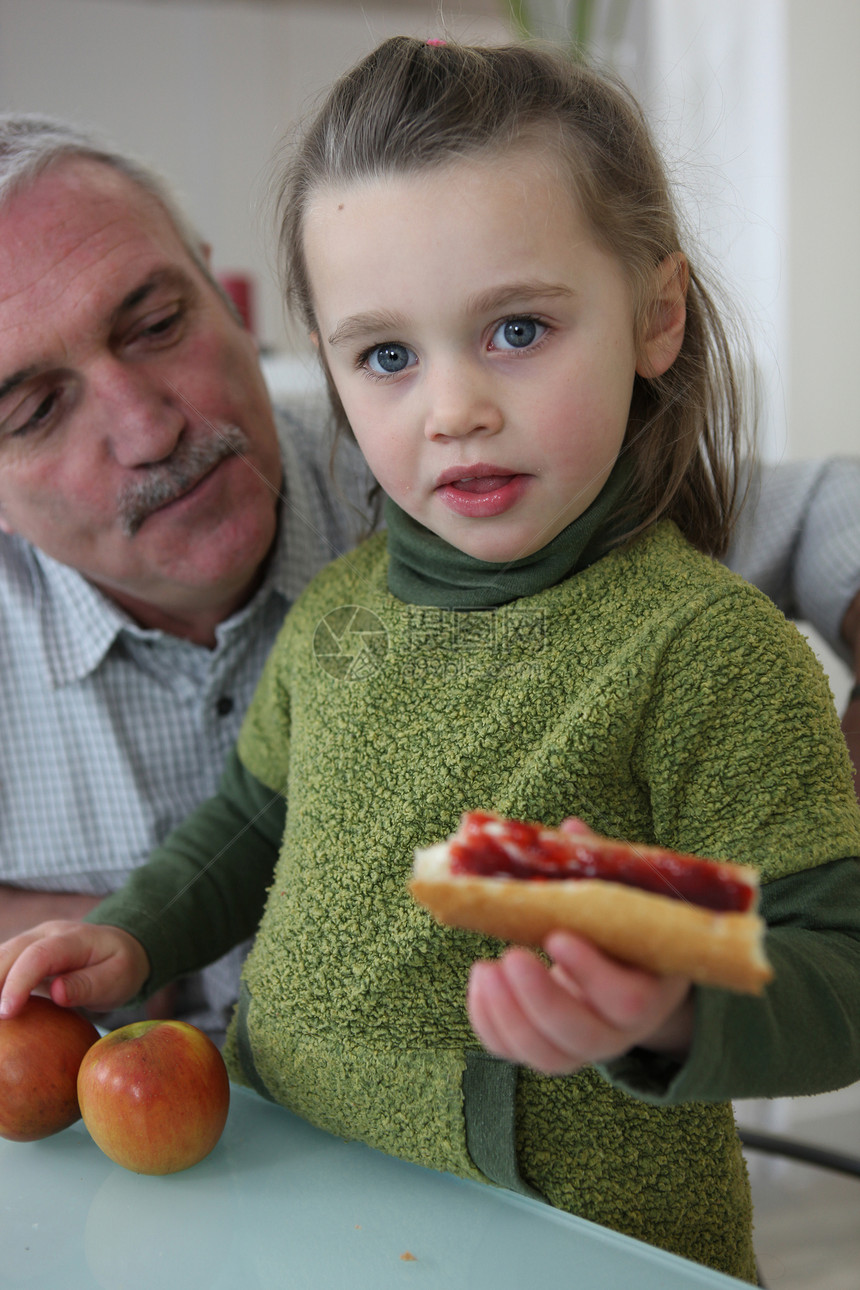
(280, 1205)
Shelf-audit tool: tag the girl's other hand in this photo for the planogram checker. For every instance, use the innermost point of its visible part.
(79, 965)
(585, 1008)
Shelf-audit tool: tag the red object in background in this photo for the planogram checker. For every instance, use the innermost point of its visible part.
(241, 290)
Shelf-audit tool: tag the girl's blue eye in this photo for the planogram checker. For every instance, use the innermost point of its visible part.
(387, 360)
(517, 333)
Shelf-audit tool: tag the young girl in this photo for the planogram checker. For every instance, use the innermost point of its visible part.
(483, 247)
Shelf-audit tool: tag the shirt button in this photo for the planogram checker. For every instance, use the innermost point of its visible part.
(224, 706)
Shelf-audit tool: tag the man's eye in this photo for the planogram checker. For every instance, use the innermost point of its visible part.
(154, 328)
(32, 414)
(161, 326)
(517, 333)
(388, 359)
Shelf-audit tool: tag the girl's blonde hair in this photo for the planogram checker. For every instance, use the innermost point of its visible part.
(410, 105)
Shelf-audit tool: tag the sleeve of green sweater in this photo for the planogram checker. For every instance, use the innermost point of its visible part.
(203, 891)
(803, 1034)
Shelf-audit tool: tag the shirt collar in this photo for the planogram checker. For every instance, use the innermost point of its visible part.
(78, 623)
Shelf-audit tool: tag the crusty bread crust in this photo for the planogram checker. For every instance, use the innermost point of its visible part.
(655, 932)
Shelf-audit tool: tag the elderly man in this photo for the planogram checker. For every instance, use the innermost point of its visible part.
(157, 522)
(155, 527)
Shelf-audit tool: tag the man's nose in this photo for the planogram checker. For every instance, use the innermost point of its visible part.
(461, 400)
(141, 417)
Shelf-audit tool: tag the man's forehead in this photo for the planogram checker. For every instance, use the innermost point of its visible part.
(82, 180)
(82, 205)
(78, 247)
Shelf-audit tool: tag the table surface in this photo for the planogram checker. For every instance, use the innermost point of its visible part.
(280, 1205)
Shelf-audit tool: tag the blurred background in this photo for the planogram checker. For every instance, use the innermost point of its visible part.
(757, 106)
(756, 102)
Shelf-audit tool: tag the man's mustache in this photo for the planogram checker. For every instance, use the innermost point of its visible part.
(169, 479)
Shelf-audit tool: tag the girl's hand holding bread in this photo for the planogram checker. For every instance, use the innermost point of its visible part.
(628, 928)
(584, 1008)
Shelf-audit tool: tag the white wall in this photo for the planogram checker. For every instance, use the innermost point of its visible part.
(758, 104)
(824, 206)
(713, 81)
(203, 91)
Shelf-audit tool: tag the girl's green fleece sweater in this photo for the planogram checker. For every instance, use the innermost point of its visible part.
(653, 694)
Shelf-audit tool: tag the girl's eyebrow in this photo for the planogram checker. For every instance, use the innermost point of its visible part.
(382, 324)
(357, 325)
(516, 292)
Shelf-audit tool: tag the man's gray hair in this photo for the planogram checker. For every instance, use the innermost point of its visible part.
(30, 144)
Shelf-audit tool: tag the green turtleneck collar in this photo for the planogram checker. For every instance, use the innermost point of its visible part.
(424, 569)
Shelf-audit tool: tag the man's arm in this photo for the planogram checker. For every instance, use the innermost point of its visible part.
(21, 909)
(851, 716)
(196, 896)
(797, 538)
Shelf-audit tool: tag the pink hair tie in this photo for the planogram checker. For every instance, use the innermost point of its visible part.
(436, 41)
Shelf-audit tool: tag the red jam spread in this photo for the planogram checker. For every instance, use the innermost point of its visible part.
(487, 847)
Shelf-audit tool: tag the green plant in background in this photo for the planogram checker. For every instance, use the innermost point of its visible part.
(530, 17)
(573, 23)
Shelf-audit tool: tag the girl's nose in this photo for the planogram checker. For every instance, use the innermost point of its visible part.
(461, 401)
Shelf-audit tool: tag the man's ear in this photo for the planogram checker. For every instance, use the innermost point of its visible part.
(662, 342)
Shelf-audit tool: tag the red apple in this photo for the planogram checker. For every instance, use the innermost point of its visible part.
(40, 1052)
(154, 1095)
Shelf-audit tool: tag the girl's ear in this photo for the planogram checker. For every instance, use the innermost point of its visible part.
(315, 339)
(662, 342)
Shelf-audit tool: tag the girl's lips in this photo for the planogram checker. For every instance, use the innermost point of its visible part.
(482, 496)
(482, 484)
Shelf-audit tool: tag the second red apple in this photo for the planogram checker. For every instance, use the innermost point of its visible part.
(154, 1095)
